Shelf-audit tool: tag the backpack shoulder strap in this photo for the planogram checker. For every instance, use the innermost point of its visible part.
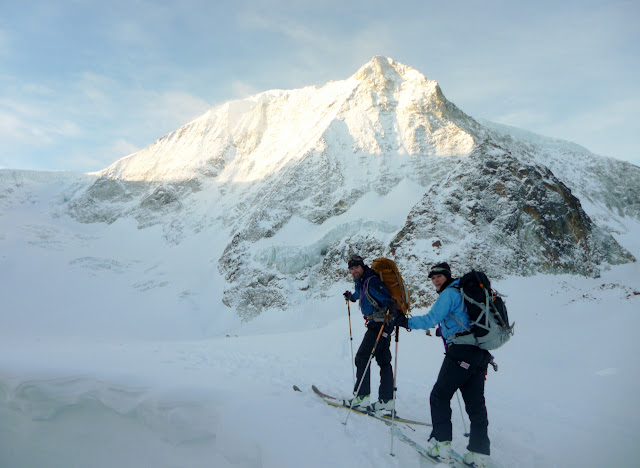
(461, 307)
(370, 298)
(483, 307)
(458, 321)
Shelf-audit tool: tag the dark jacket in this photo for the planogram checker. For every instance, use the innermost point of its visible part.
(370, 283)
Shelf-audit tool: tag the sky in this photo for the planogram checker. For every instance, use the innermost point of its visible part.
(85, 83)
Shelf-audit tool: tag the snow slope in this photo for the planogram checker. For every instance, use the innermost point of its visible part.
(98, 369)
(557, 399)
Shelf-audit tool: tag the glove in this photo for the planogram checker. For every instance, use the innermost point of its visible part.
(400, 320)
(347, 295)
(392, 306)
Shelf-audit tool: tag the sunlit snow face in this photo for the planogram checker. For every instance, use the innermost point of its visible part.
(356, 271)
(438, 280)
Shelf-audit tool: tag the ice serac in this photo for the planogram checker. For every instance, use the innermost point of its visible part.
(380, 163)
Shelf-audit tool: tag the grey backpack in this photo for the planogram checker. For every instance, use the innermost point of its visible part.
(490, 326)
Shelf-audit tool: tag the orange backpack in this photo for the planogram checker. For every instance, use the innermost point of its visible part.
(388, 272)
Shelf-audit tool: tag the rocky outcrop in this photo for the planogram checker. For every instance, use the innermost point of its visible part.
(504, 216)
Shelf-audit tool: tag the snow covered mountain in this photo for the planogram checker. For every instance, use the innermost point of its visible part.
(117, 348)
(380, 164)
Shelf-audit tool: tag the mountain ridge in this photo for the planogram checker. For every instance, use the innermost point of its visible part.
(448, 188)
(272, 120)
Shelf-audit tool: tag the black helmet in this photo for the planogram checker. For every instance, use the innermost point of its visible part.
(440, 269)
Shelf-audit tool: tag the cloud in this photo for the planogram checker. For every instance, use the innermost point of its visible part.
(610, 129)
(242, 89)
(618, 113)
(306, 40)
(309, 46)
(131, 31)
(101, 157)
(123, 148)
(171, 109)
(4, 43)
(28, 123)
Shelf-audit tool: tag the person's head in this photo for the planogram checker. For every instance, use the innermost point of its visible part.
(356, 266)
(440, 274)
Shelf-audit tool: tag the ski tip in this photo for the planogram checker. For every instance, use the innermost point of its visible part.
(296, 388)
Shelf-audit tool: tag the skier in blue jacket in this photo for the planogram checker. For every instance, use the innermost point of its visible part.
(464, 367)
(375, 299)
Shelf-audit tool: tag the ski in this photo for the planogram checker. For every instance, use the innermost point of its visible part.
(321, 394)
(333, 401)
(457, 460)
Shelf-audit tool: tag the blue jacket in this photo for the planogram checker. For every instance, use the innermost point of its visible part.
(449, 302)
(376, 289)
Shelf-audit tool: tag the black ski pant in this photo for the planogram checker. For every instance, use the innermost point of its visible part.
(383, 358)
(464, 367)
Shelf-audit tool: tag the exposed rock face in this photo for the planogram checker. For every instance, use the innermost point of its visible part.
(505, 216)
(149, 203)
(379, 164)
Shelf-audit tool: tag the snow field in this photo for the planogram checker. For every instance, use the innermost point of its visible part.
(114, 351)
(558, 394)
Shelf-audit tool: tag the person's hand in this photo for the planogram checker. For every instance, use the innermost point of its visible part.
(347, 295)
(393, 306)
(400, 320)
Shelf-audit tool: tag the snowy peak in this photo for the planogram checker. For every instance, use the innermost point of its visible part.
(383, 72)
(384, 108)
(396, 108)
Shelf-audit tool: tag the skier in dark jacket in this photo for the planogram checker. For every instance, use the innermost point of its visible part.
(375, 299)
(464, 367)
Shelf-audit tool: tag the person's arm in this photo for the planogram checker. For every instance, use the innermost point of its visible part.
(439, 310)
(355, 295)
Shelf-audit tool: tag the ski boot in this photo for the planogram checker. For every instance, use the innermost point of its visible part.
(383, 408)
(477, 460)
(360, 403)
(440, 450)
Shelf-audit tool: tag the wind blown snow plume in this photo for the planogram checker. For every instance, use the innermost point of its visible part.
(380, 164)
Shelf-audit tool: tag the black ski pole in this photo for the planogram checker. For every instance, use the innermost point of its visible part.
(353, 370)
(395, 389)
